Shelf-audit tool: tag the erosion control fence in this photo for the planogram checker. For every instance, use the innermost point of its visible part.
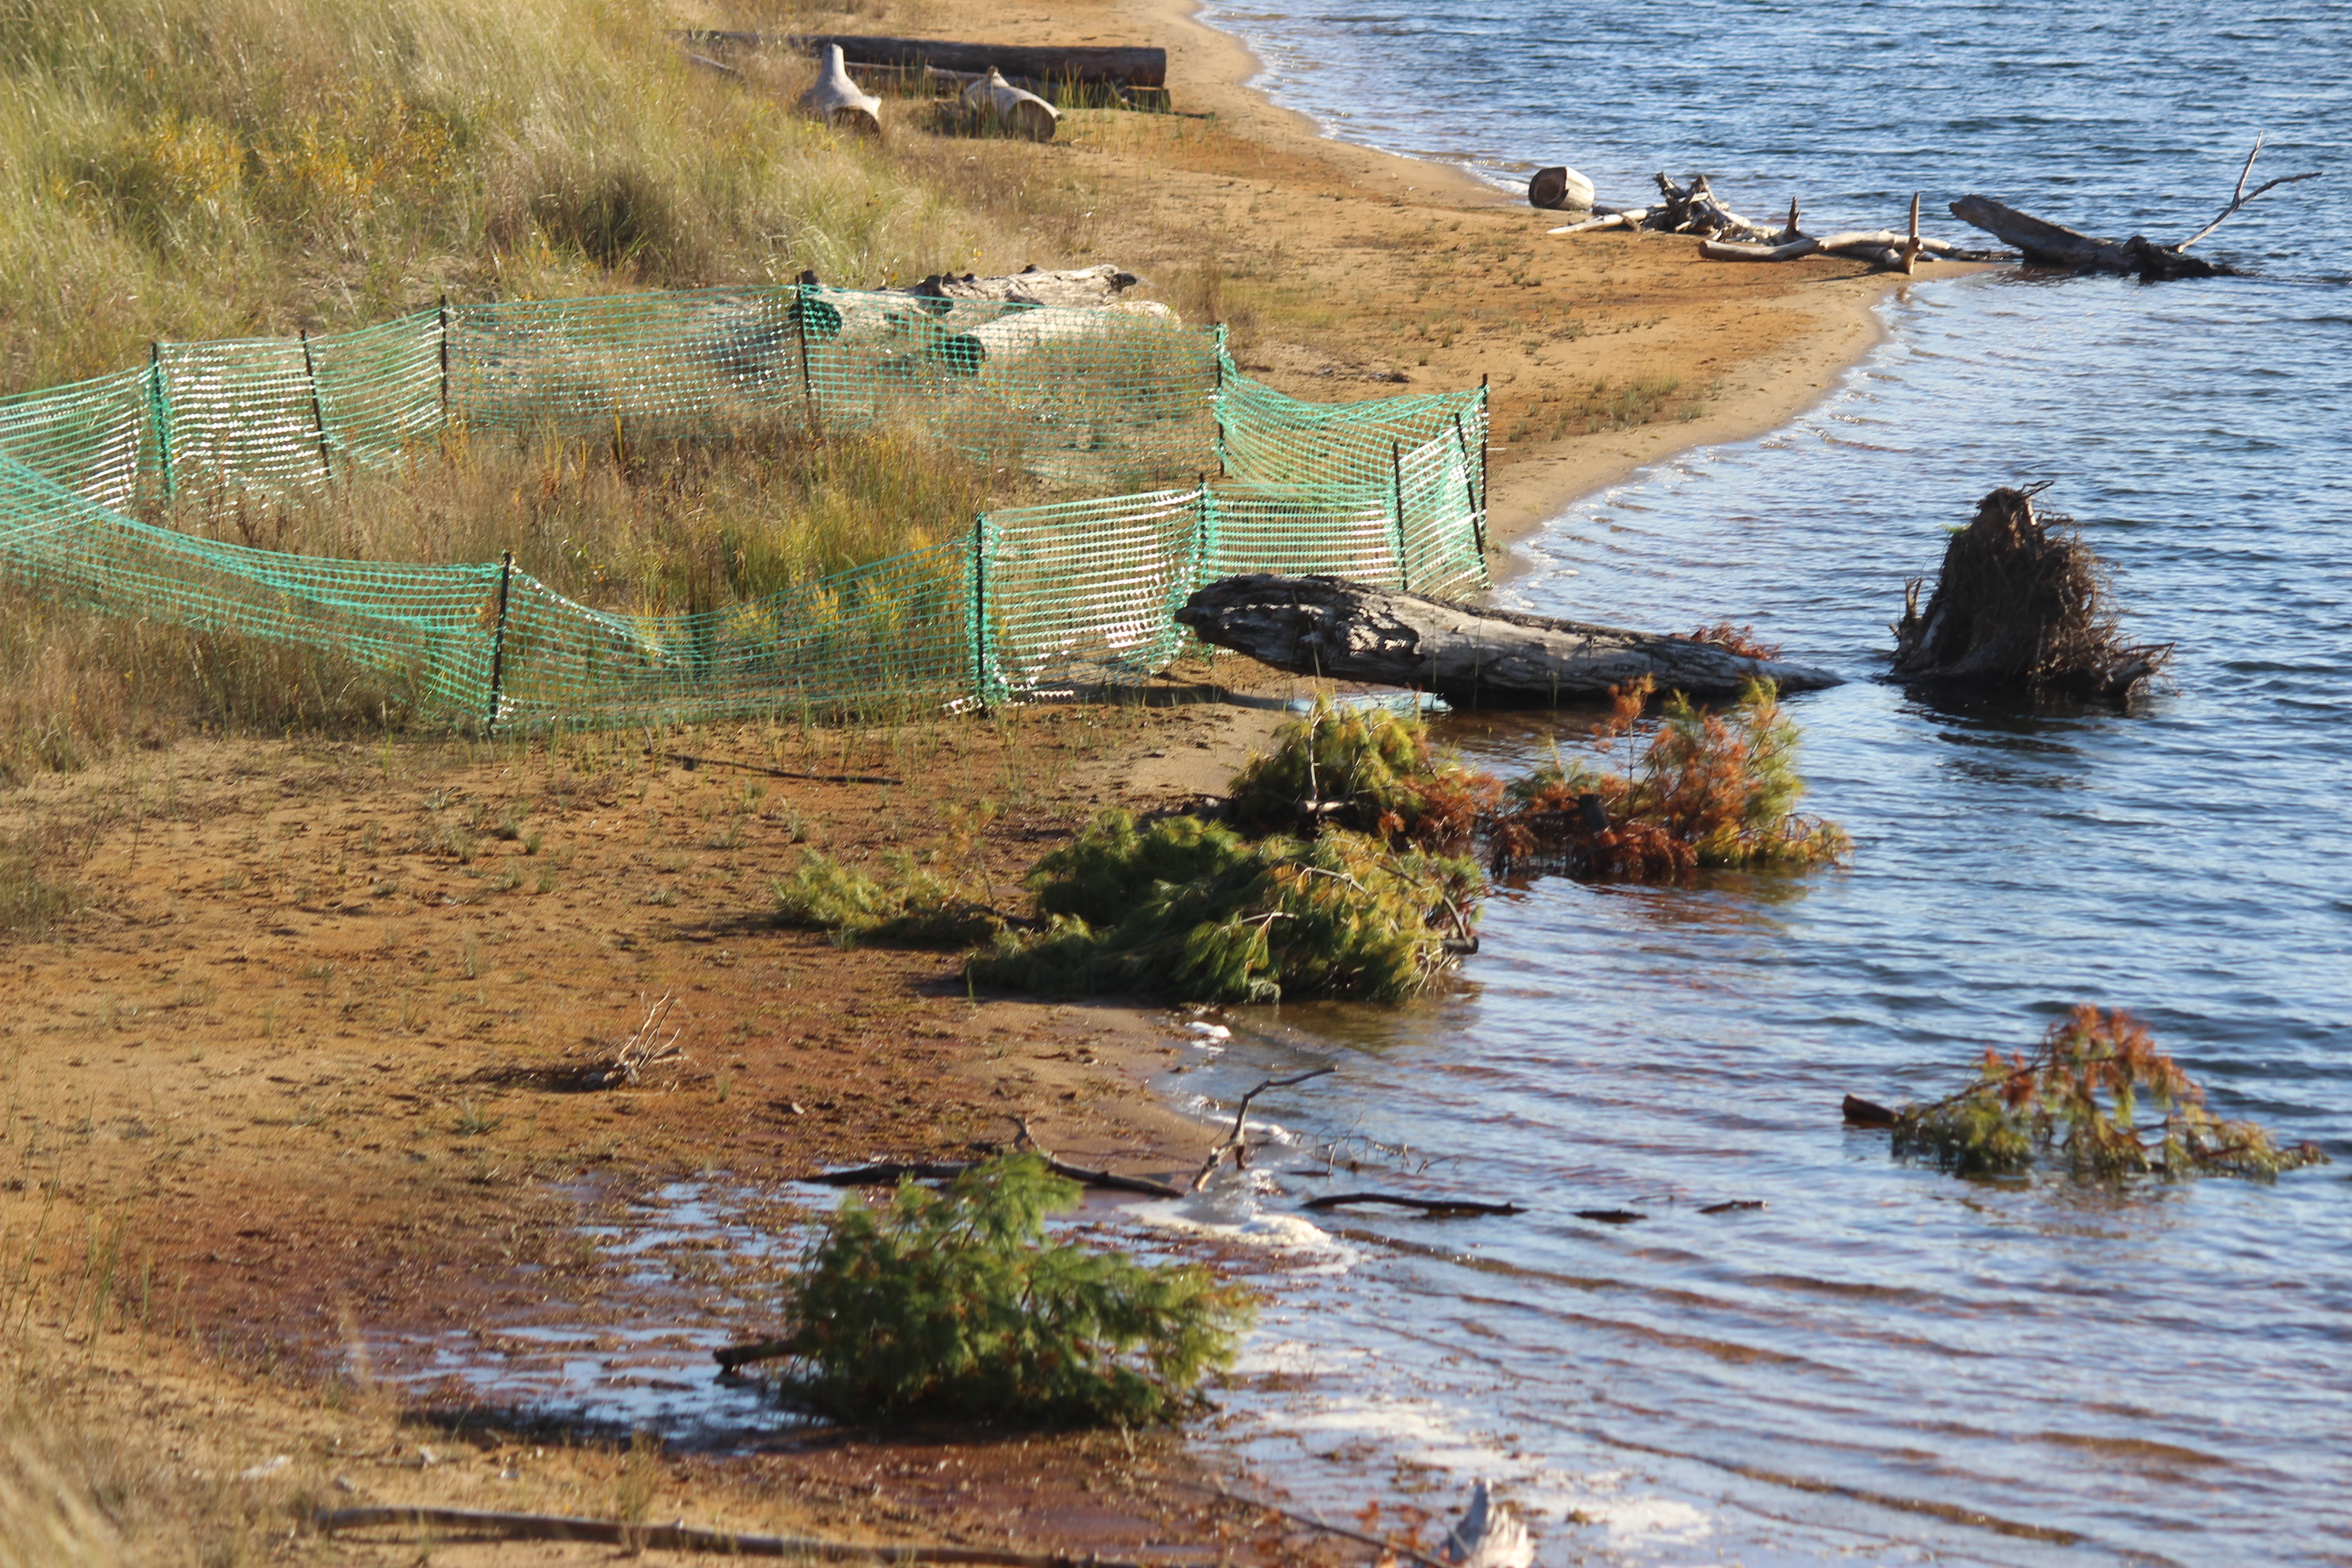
(1203, 472)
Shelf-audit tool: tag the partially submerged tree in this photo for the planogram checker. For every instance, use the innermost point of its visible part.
(953, 1303)
(1369, 770)
(2075, 1103)
(1709, 789)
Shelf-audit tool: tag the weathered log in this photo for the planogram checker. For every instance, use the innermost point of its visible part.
(997, 104)
(1329, 626)
(1559, 189)
(1078, 285)
(2046, 244)
(1630, 218)
(839, 101)
(1088, 63)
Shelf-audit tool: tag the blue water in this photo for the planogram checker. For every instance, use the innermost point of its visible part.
(1885, 1364)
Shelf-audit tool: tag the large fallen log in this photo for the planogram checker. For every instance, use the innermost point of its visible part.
(2047, 244)
(839, 101)
(1329, 626)
(1087, 63)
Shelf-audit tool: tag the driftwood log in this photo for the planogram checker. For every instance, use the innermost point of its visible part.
(1558, 189)
(992, 103)
(1087, 63)
(1329, 626)
(839, 101)
(2021, 605)
(2046, 244)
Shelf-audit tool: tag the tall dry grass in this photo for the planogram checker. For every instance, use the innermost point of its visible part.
(198, 169)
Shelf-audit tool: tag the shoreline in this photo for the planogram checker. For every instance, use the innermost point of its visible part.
(337, 998)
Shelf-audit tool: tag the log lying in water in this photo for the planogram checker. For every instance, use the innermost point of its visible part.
(1329, 626)
(2048, 244)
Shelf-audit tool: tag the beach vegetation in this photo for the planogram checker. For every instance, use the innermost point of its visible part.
(1369, 770)
(955, 1303)
(2095, 1100)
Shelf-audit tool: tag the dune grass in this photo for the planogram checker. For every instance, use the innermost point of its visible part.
(199, 169)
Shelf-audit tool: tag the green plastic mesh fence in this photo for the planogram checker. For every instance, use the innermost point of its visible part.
(1068, 596)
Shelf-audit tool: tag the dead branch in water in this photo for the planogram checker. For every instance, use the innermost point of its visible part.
(1235, 1142)
(1431, 1208)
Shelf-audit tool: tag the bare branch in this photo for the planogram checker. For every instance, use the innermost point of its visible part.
(2240, 196)
(1233, 1143)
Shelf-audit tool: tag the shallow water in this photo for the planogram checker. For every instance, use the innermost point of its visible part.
(1884, 1361)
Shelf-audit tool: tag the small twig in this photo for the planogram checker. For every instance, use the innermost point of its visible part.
(1233, 1143)
(691, 1538)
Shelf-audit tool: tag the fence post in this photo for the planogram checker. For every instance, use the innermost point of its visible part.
(1396, 465)
(442, 315)
(1486, 428)
(800, 329)
(317, 414)
(161, 401)
(980, 611)
(499, 644)
(1478, 502)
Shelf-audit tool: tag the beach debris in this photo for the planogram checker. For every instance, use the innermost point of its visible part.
(1611, 1216)
(645, 1048)
(1559, 189)
(1431, 1208)
(1335, 629)
(1733, 1205)
(839, 101)
(1209, 1031)
(2046, 244)
(1107, 72)
(2072, 1103)
(2021, 604)
(639, 1537)
(993, 105)
(1236, 1143)
(1070, 288)
(1489, 1534)
(1726, 236)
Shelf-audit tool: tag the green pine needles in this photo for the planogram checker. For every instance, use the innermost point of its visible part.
(1191, 910)
(952, 1303)
(1370, 770)
(914, 906)
(2074, 1104)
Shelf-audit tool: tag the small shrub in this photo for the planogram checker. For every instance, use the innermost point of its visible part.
(1709, 790)
(1191, 910)
(1369, 770)
(914, 906)
(953, 1304)
(2074, 1103)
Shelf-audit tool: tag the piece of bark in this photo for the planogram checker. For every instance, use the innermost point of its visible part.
(1329, 626)
(839, 101)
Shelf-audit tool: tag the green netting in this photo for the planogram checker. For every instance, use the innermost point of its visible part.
(1069, 596)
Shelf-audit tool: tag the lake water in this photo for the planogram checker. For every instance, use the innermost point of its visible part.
(1885, 1364)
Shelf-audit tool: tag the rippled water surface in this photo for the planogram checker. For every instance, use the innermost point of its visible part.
(1883, 1363)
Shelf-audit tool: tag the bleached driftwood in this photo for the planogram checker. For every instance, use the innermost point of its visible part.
(838, 101)
(1488, 1535)
(1078, 285)
(1559, 188)
(1010, 337)
(1329, 626)
(997, 104)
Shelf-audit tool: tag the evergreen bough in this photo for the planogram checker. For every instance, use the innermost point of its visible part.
(952, 1303)
(1191, 909)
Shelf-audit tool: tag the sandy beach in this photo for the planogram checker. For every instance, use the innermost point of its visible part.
(318, 1058)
